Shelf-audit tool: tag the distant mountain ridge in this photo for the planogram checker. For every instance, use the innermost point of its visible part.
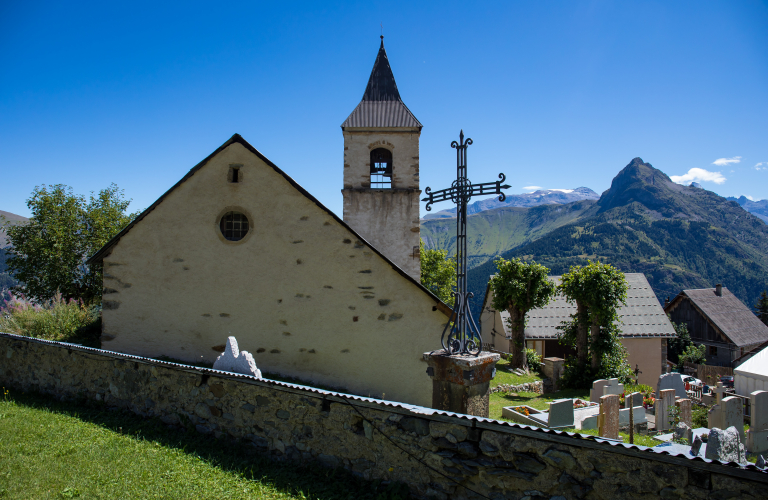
(12, 218)
(678, 236)
(534, 199)
(757, 208)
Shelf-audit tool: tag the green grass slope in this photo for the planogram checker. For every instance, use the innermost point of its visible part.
(492, 232)
(678, 236)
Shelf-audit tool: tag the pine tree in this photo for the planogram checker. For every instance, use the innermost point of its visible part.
(761, 308)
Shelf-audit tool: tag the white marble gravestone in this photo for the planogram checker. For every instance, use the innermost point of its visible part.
(596, 392)
(233, 360)
(757, 435)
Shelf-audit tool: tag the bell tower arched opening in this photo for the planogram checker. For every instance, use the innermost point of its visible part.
(381, 168)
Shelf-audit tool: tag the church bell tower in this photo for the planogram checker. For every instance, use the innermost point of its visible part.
(381, 169)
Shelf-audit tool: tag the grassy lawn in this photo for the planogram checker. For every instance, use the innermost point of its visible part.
(505, 376)
(65, 450)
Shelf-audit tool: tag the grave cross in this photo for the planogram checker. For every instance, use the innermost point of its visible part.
(463, 336)
(719, 391)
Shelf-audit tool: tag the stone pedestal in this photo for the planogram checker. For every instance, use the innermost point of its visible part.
(461, 383)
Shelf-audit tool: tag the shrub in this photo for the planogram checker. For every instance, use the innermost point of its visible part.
(58, 319)
(699, 416)
(534, 359)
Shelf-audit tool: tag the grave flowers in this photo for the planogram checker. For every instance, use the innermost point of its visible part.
(648, 401)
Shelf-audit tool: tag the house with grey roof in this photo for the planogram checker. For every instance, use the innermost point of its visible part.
(717, 319)
(644, 327)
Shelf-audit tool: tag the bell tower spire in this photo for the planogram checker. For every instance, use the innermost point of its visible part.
(381, 169)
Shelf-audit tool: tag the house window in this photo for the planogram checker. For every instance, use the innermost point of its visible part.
(234, 226)
(381, 168)
(234, 174)
(712, 350)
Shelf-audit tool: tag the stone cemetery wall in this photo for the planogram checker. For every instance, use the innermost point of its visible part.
(438, 454)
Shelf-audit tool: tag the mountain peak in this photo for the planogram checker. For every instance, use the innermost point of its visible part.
(638, 182)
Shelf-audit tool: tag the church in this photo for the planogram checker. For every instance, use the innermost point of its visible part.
(237, 247)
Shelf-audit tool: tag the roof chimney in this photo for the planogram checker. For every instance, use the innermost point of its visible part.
(719, 290)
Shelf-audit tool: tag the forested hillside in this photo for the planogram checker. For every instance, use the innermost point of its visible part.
(493, 232)
(678, 236)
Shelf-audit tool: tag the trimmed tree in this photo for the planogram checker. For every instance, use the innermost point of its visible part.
(438, 272)
(598, 290)
(518, 287)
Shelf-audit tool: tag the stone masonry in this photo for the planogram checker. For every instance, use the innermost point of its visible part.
(438, 454)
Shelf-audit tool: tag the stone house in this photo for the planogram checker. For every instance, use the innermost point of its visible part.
(720, 321)
(645, 328)
(237, 247)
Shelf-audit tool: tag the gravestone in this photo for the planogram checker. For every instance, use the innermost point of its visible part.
(724, 445)
(757, 435)
(729, 413)
(596, 392)
(719, 392)
(613, 387)
(236, 361)
(683, 431)
(684, 412)
(664, 403)
(608, 418)
(696, 445)
(637, 399)
(560, 413)
(671, 381)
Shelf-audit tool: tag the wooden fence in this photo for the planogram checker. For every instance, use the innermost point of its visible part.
(708, 374)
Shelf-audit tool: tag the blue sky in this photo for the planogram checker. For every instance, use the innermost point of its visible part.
(554, 94)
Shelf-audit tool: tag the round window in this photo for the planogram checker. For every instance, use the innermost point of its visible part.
(234, 226)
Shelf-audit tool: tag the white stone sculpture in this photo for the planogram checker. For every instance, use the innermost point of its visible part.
(233, 360)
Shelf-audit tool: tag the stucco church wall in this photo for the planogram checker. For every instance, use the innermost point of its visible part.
(300, 292)
(438, 455)
(387, 218)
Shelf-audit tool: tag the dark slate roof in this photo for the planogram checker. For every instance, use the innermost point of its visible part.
(643, 316)
(381, 105)
(238, 139)
(727, 313)
(381, 84)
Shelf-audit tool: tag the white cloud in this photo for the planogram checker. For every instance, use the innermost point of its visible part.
(748, 197)
(721, 162)
(563, 190)
(532, 188)
(763, 165)
(699, 175)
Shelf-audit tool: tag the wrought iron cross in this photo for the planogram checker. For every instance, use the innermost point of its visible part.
(463, 336)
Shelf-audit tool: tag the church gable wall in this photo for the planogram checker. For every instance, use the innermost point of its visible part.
(300, 291)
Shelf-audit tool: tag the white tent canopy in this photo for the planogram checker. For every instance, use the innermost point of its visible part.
(752, 375)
